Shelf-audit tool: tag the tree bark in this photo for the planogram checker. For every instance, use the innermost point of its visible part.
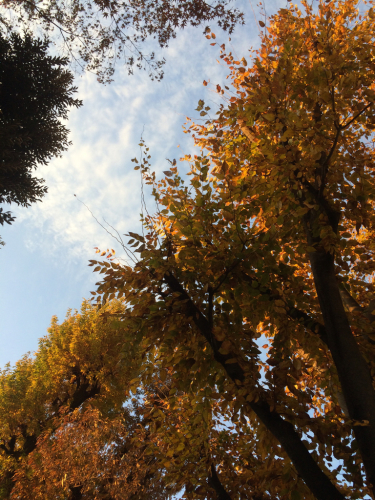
(352, 369)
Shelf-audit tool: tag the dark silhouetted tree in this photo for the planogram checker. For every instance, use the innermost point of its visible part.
(36, 90)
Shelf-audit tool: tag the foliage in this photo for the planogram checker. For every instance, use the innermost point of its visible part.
(70, 427)
(54, 442)
(98, 34)
(36, 90)
(252, 286)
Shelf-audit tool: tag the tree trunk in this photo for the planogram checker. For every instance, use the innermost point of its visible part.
(353, 372)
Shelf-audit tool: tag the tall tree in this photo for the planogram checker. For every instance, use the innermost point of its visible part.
(35, 93)
(53, 443)
(97, 35)
(254, 283)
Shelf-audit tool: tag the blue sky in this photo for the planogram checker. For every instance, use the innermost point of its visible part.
(44, 268)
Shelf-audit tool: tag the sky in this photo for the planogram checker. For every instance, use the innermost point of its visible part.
(44, 264)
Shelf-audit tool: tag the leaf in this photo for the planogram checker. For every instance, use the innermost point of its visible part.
(136, 236)
(141, 248)
(261, 24)
(228, 215)
(279, 302)
(269, 117)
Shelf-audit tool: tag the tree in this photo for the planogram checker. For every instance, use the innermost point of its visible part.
(36, 91)
(65, 432)
(253, 284)
(96, 35)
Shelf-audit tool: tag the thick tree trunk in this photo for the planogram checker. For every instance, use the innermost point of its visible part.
(352, 369)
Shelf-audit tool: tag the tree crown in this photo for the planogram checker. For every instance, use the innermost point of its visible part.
(36, 90)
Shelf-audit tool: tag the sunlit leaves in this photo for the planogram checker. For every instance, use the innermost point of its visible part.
(82, 358)
(291, 143)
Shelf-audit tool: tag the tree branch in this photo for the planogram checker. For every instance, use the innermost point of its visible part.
(332, 214)
(352, 305)
(343, 127)
(283, 431)
(215, 484)
(326, 161)
(353, 371)
(250, 134)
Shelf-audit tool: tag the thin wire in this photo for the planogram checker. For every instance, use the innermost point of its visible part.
(129, 253)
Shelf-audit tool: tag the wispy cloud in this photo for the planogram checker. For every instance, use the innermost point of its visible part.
(44, 264)
(105, 134)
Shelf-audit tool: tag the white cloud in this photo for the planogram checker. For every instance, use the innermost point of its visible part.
(44, 264)
(105, 133)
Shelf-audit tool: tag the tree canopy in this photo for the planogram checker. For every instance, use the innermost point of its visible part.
(98, 35)
(54, 447)
(243, 331)
(35, 93)
(70, 427)
(254, 281)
